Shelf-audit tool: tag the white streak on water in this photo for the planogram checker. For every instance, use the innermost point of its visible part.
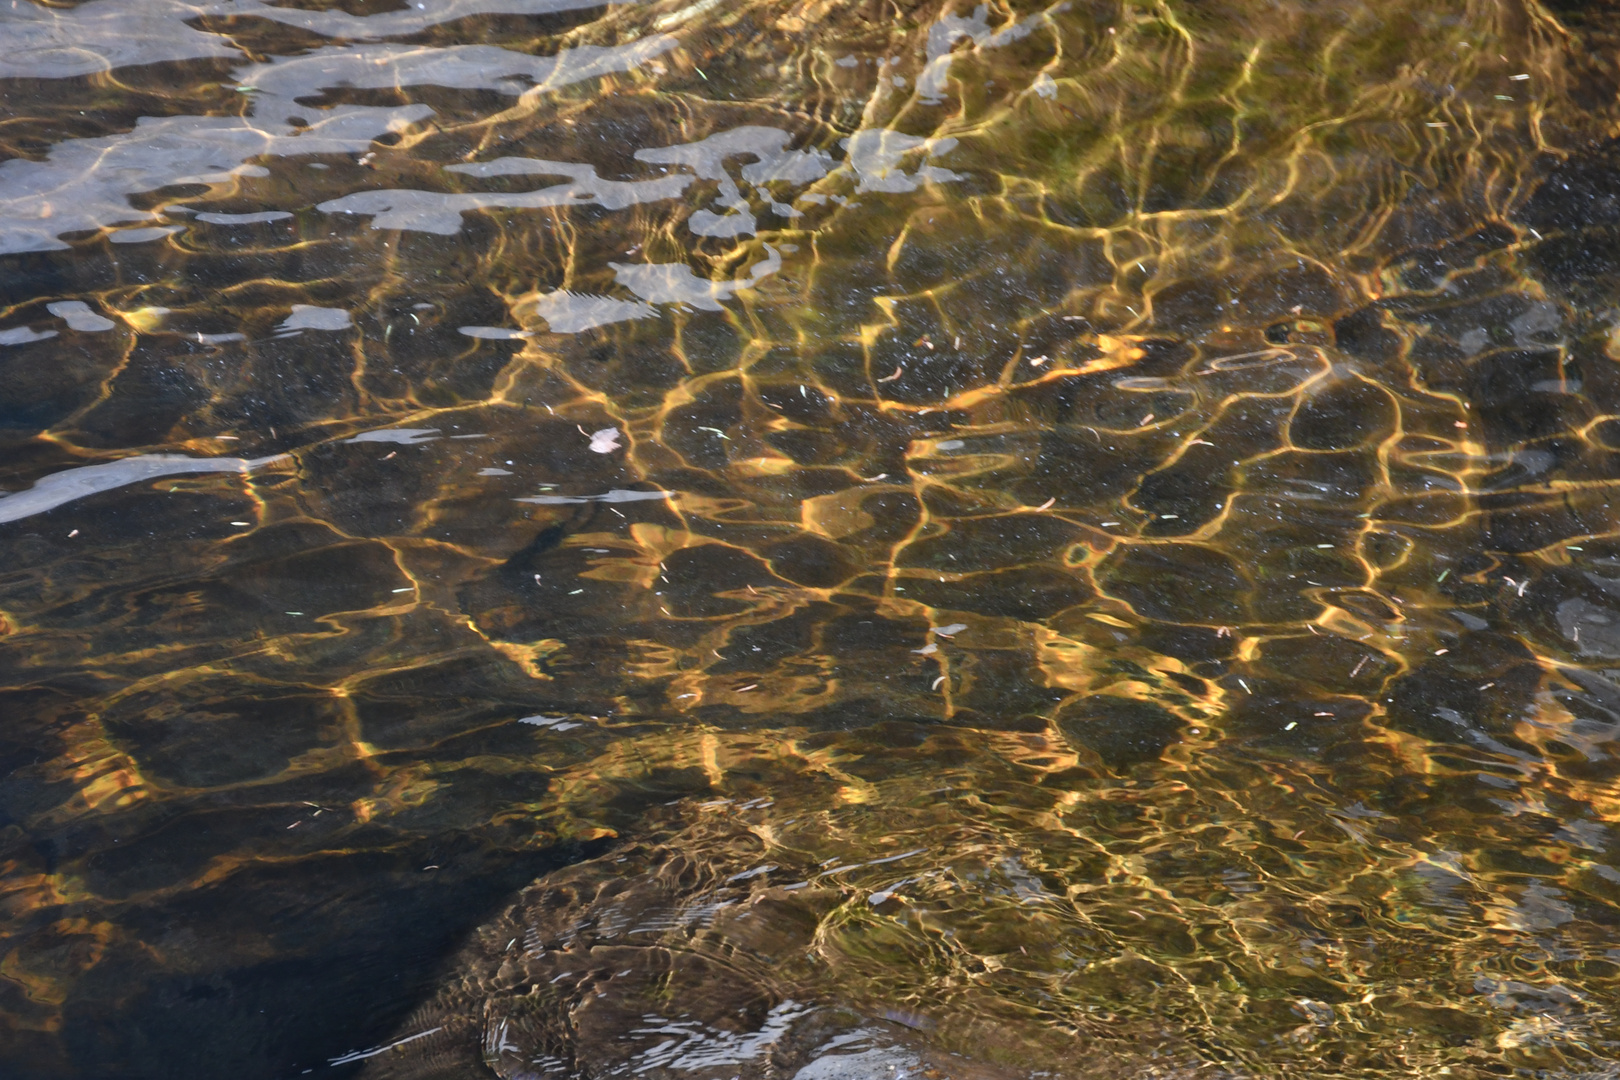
(60, 488)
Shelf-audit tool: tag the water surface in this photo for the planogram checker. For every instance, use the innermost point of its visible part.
(1092, 524)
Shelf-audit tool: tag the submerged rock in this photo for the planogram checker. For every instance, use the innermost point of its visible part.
(692, 958)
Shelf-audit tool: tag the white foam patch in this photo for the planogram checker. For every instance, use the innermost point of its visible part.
(78, 316)
(437, 212)
(61, 43)
(86, 184)
(944, 34)
(886, 1063)
(617, 495)
(555, 723)
(258, 218)
(23, 335)
(675, 283)
(60, 488)
(876, 154)
(493, 333)
(310, 317)
(464, 67)
(689, 1045)
(405, 436)
(570, 312)
(141, 236)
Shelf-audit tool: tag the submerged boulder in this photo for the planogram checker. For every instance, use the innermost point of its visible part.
(693, 958)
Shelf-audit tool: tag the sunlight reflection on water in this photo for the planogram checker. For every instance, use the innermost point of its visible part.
(941, 538)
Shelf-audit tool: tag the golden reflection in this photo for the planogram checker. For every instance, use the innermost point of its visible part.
(1110, 502)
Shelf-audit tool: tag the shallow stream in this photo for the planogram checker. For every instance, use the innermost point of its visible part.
(945, 539)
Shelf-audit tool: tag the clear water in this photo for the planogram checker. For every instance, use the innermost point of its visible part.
(809, 539)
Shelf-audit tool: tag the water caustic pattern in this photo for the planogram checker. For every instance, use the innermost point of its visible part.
(981, 541)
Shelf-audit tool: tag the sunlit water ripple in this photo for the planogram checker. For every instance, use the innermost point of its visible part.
(813, 540)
